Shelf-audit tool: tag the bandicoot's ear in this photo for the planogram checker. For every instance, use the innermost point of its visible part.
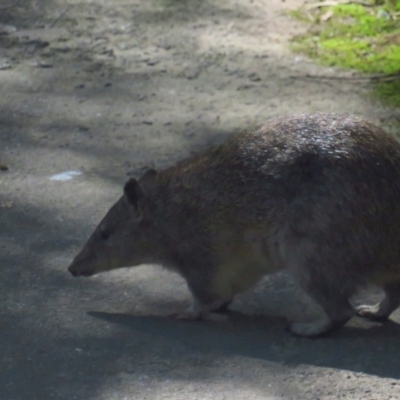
(133, 192)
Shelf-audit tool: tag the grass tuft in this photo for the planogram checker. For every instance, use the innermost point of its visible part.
(364, 38)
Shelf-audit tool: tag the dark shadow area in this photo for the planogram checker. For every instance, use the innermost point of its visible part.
(47, 340)
(251, 336)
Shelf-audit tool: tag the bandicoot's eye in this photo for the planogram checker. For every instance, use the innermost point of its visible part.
(104, 234)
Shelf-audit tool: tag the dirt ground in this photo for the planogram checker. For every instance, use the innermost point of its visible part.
(107, 89)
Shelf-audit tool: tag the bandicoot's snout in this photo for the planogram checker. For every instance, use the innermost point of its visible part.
(79, 271)
(73, 271)
(84, 263)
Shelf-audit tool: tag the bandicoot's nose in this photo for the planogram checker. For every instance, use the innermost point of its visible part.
(78, 271)
(73, 271)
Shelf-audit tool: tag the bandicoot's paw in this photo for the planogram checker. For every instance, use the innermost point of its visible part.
(372, 313)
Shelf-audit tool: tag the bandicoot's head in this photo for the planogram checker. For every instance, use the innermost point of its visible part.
(127, 236)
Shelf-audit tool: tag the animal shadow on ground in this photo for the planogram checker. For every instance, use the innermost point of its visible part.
(263, 337)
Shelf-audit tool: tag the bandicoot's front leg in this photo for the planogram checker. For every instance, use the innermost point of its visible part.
(204, 304)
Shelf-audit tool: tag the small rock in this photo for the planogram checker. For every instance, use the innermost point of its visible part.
(37, 43)
(146, 122)
(141, 97)
(7, 29)
(254, 77)
(265, 55)
(383, 14)
(5, 65)
(40, 64)
(108, 52)
(244, 87)
(3, 167)
(45, 65)
(192, 73)
(80, 86)
(62, 49)
(108, 84)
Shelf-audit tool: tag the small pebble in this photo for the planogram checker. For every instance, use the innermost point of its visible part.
(5, 65)
(254, 77)
(6, 29)
(40, 64)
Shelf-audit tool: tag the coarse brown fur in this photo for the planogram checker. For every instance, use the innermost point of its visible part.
(316, 194)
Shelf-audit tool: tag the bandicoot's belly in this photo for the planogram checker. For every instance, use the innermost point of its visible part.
(244, 265)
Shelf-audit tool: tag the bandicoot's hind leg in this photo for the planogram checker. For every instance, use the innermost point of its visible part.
(320, 281)
(338, 311)
(382, 310)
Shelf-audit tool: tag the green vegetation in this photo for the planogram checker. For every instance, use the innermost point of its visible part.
(355, 34)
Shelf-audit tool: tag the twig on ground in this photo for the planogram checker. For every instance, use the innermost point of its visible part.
(55, 22)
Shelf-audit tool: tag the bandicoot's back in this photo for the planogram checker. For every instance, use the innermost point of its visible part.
(316, 194)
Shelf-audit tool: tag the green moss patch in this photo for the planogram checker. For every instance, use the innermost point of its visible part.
(353, 35)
